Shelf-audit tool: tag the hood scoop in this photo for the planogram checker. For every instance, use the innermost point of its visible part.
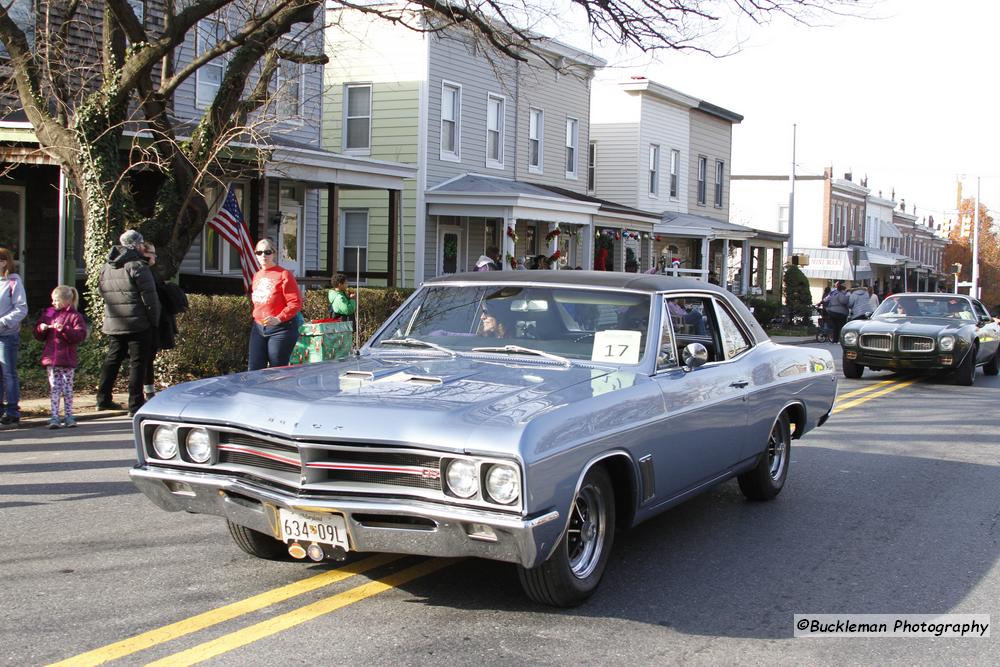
(395, 376)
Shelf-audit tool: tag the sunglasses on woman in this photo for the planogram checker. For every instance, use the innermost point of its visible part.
(264, 252)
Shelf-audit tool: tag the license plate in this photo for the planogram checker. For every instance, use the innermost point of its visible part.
(313, 527)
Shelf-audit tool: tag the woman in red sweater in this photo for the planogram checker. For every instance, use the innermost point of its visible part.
(276, 307)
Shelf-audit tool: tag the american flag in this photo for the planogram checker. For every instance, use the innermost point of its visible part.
(229, 224)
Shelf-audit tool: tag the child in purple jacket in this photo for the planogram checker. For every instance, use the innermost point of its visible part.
(62, 328)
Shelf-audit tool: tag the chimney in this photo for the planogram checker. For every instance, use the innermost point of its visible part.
(848, 175)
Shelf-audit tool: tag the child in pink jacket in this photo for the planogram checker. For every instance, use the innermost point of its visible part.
(62, 328)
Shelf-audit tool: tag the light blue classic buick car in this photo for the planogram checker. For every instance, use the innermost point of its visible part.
(516, 416)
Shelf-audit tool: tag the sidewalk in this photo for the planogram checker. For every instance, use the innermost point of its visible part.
(797, 340)
(37, 411)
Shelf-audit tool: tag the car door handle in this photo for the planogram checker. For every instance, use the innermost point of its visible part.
(741, 384)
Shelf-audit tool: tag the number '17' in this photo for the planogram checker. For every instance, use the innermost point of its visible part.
(611, 351)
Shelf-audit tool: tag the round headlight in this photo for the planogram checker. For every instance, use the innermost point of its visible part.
(502, 484)
(462, 478)
(946, 343)
(165, 442)
(199, 445)
(850, 338)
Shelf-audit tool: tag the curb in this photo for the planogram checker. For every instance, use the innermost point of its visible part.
(35, 422)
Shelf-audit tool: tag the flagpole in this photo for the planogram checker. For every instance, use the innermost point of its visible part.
(357, 295)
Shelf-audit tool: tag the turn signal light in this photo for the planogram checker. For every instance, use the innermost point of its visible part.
(946, 361)
(295, 550)
(851, 354)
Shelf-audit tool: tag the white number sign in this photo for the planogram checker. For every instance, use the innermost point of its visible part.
(616, 346)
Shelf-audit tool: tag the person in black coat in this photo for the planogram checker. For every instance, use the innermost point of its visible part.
(131, 310)
(164, 334)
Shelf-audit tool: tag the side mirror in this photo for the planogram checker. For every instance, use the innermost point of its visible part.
(867, 315)
(694, 355)
(985, 320)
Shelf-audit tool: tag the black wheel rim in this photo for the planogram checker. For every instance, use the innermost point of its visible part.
(585, 534)
(777, 450)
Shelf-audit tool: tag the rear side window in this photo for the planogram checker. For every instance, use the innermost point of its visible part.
(734, 341)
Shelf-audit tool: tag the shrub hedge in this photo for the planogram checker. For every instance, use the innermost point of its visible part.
(212, 339)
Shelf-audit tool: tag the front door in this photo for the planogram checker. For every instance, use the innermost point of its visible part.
(12, 222)
(451, 249)
(290, 229)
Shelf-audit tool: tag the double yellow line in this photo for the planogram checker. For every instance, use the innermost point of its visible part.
(868, 393)
(279, 623)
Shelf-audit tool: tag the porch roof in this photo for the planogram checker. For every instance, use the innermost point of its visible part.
(673, 223)
(480, 196)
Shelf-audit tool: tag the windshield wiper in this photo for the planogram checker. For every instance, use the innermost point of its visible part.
(414, 342)
(517, 349)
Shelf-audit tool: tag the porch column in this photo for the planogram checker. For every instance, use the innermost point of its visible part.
(507, 243)
(724, 269)
(648, 261)
(585, 247)
(747, 266)
(395, 250)
(332, 228)
(705, 245)
(553, 243)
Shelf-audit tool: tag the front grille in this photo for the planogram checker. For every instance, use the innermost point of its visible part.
(227, 437)
(239, 458)
(326, 468)
(916, 344)
(881, 342)
(388, 478)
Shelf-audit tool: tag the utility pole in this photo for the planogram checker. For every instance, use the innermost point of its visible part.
(791, 201)
(975, 247)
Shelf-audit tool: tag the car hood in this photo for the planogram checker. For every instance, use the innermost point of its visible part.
(916, 326)
(439, 402)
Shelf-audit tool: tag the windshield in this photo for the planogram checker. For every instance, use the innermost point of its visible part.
(925, 306)
(580, 324)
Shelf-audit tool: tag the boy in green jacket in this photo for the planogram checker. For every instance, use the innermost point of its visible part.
(342, 301)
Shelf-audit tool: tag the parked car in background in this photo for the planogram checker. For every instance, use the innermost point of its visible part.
(516, 416)
(927, 332)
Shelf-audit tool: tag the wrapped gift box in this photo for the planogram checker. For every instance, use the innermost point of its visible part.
(323, 341)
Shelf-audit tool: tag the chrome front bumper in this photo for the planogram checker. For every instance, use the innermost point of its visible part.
(373, 525)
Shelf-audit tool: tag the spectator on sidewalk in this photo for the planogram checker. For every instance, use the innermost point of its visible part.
(837, 309)
(62, 328)
(13, 308)
(277, 308)
(163, 335)
(859, 301)
(131, 310)
(342, 299)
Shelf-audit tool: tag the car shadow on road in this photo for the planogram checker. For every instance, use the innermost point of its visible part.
(851, 533)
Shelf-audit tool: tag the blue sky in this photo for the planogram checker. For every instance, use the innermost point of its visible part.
(906, 95)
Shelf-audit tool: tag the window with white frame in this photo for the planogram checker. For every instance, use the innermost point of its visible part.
(675, 168)
(451, 121)
(495, 121)
(592, 167)
(720, 168)
(139, 7)
(289, 93)
(217, 255)
(654, 170)
(572, 136)
(536, 138)
(702, 176)
(354, 256)
(357, 117)
(208, 78)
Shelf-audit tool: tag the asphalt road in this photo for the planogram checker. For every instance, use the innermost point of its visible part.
(892, 507)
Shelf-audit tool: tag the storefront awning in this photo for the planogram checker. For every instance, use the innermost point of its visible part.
(887, 230)
(881, 258)
(835, 264)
